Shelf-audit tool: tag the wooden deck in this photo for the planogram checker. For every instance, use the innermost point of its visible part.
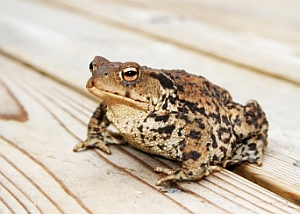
(252, 49)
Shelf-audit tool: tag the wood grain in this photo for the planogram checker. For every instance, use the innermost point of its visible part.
(59, 180)
(224, 31)
(41, 120)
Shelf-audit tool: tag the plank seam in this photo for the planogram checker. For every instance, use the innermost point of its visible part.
(156, 37)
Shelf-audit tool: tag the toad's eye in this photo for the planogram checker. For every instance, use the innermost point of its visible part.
(92, 67)
(130, 74)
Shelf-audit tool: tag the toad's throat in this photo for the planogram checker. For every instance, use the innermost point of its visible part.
(112, 99)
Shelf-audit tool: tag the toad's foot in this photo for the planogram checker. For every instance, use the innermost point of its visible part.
(183, 175)
(92, 143)
(100, 141)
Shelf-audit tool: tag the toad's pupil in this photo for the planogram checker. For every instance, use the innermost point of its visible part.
(130, 73)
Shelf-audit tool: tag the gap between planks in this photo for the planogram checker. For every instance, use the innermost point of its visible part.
(69, 84)
(192, 48)
(260, 179)
(277, 205)
(61, 81)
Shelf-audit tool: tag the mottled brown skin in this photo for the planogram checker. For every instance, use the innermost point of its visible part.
(176, 115)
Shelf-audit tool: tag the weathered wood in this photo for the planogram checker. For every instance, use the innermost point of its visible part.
(224, 30)
(64, 41)
(40, 173)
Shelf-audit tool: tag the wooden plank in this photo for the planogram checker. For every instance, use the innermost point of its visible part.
(53, 171)
(41, 174)
(245, 46)
(62, 51)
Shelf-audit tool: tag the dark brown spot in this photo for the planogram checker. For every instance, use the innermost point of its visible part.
(164, 81)
(216, 93)
(223, 149)
(194, 107)
(193, 84)
(255, 123)
(140, 128)
(166, 130)
(180, 132)
(195, 134)
(207, 84)
(163, 118)
(215, 158)
(181, 145)
(237, 120)
(176, 172)
(184, 117)
(194, 155)
(224, 134)
(249, 122)
(127, 94)
(165, 105)
(180, 87)
(216, 117)
(200, 124)
(214, 141)
(183, 110)
(225, 120)
(152, 115)
(233, 145)
(161, 146)
(203, 165)
(260, 137)
(172, 100)
(201, 110)
(204, 92)
(252, 146)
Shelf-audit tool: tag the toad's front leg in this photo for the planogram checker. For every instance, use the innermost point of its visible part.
(98, 136)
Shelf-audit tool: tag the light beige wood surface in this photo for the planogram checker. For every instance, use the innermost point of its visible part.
(42, 120)
(262, 36)
(40, 173)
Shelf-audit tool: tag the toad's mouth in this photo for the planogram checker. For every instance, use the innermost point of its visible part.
(112, 99)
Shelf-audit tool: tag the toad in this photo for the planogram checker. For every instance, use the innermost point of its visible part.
(173, 114)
